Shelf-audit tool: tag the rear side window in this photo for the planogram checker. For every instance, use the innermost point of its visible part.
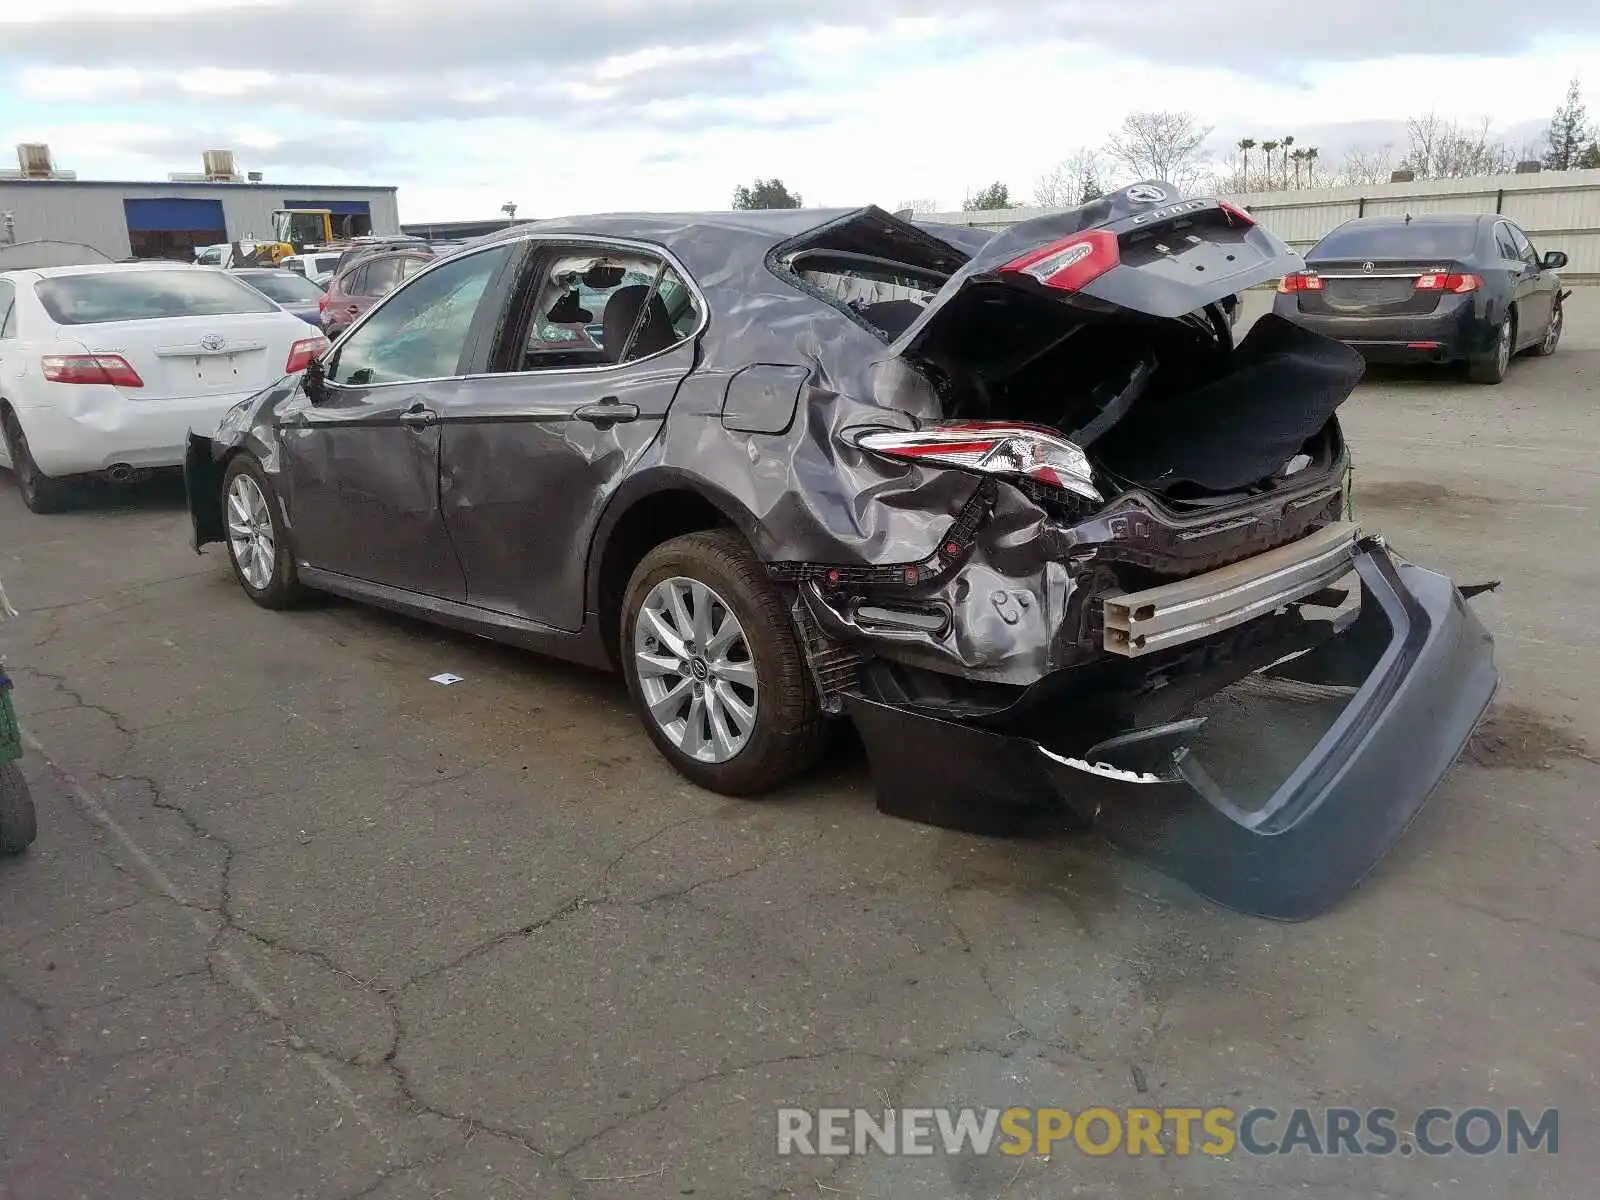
(146, 296)
(1417, 240)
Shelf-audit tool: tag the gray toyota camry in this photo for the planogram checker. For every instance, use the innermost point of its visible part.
(1017, 505)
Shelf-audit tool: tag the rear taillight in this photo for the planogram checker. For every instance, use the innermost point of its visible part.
(991, 448)
(1448, 283)
(110, 369)
(1070, 263)
(1300, 283)
(303, 353)
(1236, 215)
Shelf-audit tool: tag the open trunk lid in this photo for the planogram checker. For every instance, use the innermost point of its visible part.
(1106, 324)
(1141, 249)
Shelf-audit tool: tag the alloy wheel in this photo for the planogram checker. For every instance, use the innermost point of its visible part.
(695, 670)
(250, 532)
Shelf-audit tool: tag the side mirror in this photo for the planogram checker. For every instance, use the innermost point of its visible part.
(1553, 260)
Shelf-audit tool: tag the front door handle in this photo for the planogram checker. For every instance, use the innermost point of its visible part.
(419, 417)
(608, 412)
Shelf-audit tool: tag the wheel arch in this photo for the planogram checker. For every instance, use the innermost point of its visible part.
(647, 511)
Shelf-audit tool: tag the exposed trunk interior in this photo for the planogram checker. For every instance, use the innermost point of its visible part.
(1169, 405)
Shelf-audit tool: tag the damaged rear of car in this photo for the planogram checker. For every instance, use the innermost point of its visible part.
(1018, 505)
(1151, 605)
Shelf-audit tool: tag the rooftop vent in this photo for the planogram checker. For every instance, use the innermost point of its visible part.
(1530, 166)
(1403, 177)
(34, 160)
(219, 166)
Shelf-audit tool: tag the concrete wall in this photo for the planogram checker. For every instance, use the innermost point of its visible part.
(1557, 210)
(93, 213)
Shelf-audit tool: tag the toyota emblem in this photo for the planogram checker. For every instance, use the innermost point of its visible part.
(212, 342)
(1145, 193)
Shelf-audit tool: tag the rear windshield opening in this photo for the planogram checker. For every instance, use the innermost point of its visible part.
(878, 267)
(1420, 239)
(145, 296)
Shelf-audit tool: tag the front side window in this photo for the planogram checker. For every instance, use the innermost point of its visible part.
(92, 299)
(421, 331)
(1525, 249)
(596, 307)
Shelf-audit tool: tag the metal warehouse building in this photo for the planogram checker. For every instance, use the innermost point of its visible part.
(167, 220)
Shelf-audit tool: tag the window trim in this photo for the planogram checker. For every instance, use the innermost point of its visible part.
(373, 308)
(540, 242)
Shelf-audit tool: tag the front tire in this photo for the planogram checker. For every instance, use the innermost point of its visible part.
(40, 492)
(1552, 334)
(715, 670)
(1491, 367)
(258, 540)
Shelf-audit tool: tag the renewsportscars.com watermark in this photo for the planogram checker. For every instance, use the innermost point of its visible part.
(1098, 1131)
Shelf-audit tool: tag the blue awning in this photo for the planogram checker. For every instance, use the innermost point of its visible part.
(172, 214)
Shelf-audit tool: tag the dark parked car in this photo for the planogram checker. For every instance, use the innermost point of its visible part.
(292, 291)
(1017, 505)
(355, 289)
(1430, 289)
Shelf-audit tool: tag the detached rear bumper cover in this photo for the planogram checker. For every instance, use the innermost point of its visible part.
(1423, 668)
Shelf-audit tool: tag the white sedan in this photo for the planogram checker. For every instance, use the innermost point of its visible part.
(104, 370)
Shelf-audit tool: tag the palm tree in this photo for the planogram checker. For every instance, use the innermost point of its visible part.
(1299, 156)
(1288, 140)
(1266, 149)
(1245, 146)
(1311, 162)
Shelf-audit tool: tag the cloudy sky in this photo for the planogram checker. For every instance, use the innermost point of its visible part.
(600, 105)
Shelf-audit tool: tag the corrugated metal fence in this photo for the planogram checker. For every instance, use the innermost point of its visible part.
(1557, 210)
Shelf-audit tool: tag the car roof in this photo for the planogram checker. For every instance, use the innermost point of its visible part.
(1423, 219)
(106, 268)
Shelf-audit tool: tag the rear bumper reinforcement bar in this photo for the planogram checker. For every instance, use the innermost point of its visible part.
(1158, 618)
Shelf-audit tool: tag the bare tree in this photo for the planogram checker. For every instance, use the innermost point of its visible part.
(1367, 165)
(1444, 149)
(1162, 145)
(1075, 180)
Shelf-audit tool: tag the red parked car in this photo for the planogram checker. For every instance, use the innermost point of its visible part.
(359, 286)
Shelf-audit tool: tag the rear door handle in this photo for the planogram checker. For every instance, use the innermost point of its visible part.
(419, 417)
(608, 412)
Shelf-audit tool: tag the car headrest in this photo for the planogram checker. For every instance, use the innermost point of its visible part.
(622, 312)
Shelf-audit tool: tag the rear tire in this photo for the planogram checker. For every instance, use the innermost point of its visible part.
(259, 546)
(19, 824)
(1552, 334)
(739, 715)
(1491, 367)
(40, 492)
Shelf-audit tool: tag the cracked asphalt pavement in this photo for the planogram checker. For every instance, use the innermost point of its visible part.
(301, 923)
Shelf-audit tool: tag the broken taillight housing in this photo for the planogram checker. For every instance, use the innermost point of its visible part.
(1440, 282)
(303, 352)
(991, 448)
(111, 369)
(1070, 263)
(1301, 282)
